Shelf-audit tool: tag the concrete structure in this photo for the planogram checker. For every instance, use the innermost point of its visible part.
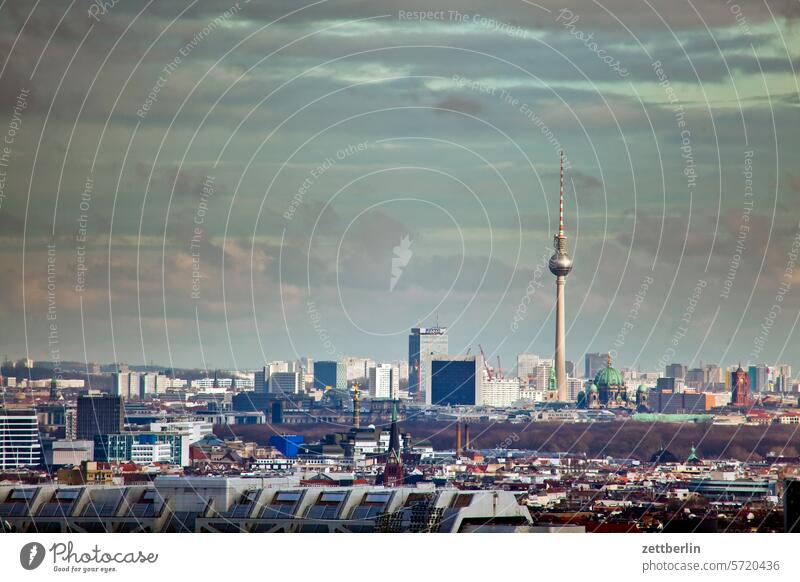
(232, 504)
(72, 452)
(560, 265)
(142, 448)
(288, 383)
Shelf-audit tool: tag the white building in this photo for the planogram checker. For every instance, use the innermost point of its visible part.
(126, 384)
(384, 381)
(574, 385)
(358, 368)
(500, 392)
(149, 453)
(19, 438)
(192, 430)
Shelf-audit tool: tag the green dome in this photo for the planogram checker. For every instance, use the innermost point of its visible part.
(609, 376)
(642, 388)
(593, 388)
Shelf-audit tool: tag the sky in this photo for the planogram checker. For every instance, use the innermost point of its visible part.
(219, 184)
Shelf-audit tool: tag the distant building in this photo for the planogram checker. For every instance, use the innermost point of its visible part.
(526, 365)
(286, 383)
(423, 343)
(500, 392)
(142, 448)
(382, 381)
(677, 371)
(330, 373)
(593, 363)
(19, 438)
(125, 384)
(759, 378)
(100, 414)
(740, 388)
(455, 380)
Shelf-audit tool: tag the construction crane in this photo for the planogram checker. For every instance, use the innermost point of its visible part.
(486, 363)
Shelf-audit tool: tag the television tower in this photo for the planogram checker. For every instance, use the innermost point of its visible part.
(560, 265)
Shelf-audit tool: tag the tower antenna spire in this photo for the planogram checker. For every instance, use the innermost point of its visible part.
(561, 200)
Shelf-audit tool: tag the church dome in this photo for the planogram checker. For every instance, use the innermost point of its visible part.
(642, 389)
(609, 377)
(593, 387)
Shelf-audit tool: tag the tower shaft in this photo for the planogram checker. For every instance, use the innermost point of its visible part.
(561, 348)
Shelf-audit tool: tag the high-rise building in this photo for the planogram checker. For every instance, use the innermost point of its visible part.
(381, 381)
(593, 363)
(142, 448)
(561, 266)
(330, 373)
(423, 343)
(759, 378)
(126, 385)
(677, 371)
(285, 383)
(526, 365)
(455, 380)
(99, 415)
(358, 368)
(19, 438)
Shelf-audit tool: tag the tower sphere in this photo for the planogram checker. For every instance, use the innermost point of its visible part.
(560, 264)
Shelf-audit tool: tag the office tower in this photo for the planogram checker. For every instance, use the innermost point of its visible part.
(666, 384)
(381, 381)
(99, 415)
(696, 378)
(677, 371)
(285, 383)
(262, 380)
(560, 265)
(759, 378)
(19, 438)
(574, 385)
(570, 367)
(783, 378)
(423, 343)
(152, 384)
(455, 380)
(593, 363)
(330, 373)
(526, 365)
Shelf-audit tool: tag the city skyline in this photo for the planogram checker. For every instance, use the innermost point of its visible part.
(195, 211)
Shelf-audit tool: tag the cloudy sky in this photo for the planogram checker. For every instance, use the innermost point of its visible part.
(206, 183)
